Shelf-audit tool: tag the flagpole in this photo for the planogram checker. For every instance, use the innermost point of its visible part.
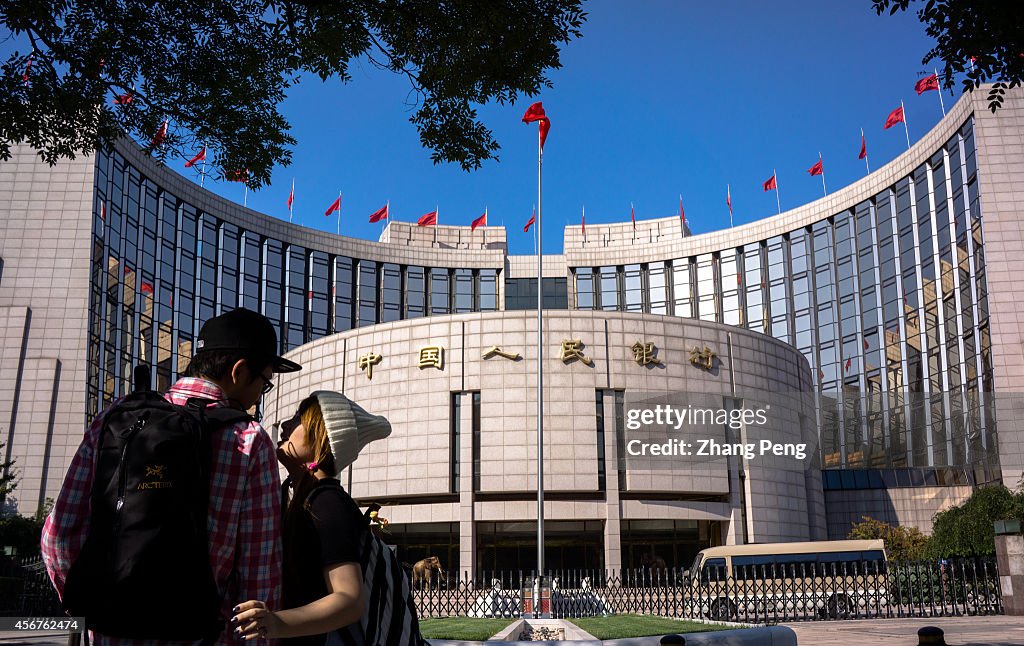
(245, 199)
(778, 201)
(437, 215)
(942, 104)
(540, 369)
(823, 189)
(202, 174)
(728, 194)
(682, 221)
(535, 230)
(866, 166)
(339, 213)
(906, 128)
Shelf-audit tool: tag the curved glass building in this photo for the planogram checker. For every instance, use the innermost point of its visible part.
(900, 291)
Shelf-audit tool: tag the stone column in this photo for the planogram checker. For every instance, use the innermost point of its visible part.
(613, 507)
(1010, 565)
(467, 517)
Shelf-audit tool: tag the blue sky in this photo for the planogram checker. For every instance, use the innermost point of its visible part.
(657, 99)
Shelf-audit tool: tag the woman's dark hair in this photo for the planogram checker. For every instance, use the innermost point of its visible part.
(215, 364)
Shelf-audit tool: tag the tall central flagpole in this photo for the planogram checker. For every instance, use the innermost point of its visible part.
(202, 174)
(339, 213)
(540, 367)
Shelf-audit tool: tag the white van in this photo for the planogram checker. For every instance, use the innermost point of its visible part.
(753, 581)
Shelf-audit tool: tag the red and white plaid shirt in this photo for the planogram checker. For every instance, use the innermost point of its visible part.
(244, 518)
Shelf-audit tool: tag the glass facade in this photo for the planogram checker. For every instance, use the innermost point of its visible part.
(162, 266)
(887, 300)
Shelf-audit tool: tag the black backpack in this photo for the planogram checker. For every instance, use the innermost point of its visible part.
(144, 571)
(390, 617)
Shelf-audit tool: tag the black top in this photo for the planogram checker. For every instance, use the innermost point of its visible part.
(328, 533)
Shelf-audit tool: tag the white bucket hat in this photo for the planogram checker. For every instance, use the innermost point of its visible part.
(349, 427)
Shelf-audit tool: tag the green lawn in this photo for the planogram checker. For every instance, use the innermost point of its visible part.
(622, 626)
(464, 628)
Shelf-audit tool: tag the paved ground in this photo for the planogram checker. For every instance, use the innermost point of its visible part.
(960, 631)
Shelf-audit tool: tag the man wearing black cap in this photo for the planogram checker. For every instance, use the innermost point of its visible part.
(235, 358)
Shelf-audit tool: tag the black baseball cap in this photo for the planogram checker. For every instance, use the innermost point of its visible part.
(245, 331)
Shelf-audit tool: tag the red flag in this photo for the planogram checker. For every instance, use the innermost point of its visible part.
(146, 288)
(848, 362)
(770, 184)
(482, 220)
(532, 221)
(536, 113)
(335, 206)
(865, 344)
(927, 83)
(583, 224)
(103, 211)
(632, 216)
(896, 116)
(291, 196)
(380, 214)
(123, 99)
(28, 68)
(816, 169)
(821, 374)
(682, 216)
(160, 135)
(728, 199)
(201, 156)
(427, 219)
(863, 147)
(236, 175)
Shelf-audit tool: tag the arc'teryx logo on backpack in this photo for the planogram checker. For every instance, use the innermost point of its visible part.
(158, 472)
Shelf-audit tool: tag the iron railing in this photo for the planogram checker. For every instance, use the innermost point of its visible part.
(855, 590)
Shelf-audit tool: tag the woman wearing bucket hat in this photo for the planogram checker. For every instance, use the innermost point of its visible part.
(328, 545)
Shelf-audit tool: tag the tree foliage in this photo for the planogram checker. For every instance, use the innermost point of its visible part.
(990, 32)
(217, 71)
(901, 543)
(966, 530)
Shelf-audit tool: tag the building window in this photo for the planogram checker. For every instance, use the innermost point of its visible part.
(489, 290)
(415, 293)
(463, 291)
(609, 281)
(440, 293)
(344, 293)
(391, 293)
(584, 289)
(367, 292)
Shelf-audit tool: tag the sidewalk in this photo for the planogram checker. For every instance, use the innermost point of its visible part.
(996, 630)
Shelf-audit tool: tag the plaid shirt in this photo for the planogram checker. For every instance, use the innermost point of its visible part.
(244, 517)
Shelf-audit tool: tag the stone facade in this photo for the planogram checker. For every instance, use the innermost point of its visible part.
(414, 469)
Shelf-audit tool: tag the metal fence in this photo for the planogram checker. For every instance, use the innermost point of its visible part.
(843, 591)
(27, 591)
(857, 590)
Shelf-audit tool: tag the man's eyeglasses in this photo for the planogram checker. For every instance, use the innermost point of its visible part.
(268, 385)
